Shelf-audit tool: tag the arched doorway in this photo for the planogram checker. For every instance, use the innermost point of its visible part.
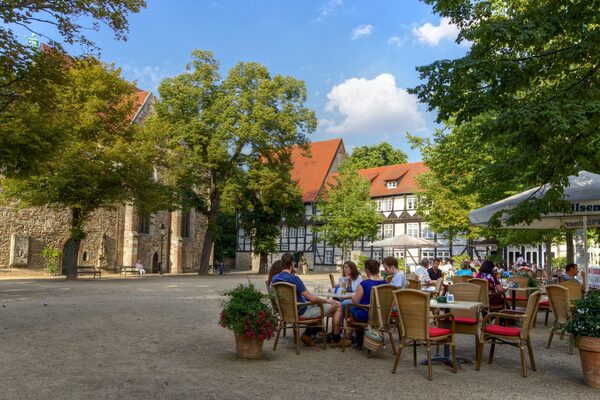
(69, 255)
(155, 263)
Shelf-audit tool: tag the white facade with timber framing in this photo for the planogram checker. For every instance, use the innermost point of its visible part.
(393, 188)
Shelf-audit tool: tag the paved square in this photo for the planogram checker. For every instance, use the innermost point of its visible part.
(158, 338)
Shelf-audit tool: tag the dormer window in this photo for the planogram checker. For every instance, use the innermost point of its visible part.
(392, 184)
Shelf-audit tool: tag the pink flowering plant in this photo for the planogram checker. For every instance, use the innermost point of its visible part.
(247, 311)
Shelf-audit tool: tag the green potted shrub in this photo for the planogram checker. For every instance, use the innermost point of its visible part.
(51, 255)
(585, 328)
(248, 313)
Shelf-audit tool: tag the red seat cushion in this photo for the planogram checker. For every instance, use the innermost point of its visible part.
(394, 314)
(518, 298)
(502, 330)
(545, 303)
(309, 319)
(434, 332)
(466, 321)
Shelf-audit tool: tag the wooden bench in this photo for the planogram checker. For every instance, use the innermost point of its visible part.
(126, 269)
(88, 270)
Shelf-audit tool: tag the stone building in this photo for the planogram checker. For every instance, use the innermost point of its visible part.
(114, 237)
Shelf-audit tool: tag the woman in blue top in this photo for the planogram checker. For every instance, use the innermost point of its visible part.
(465, 269)
(363, 296)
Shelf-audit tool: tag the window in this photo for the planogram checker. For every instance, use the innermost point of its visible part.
(428, 254)
(143, 223)
(385, 205)
(412, 229)
(388, 231)
(301, 231)
(377, 255)
(329, 257)
(284, 231)
(392, 184)
(426, 232)
(411, 203)
(292, 232)
(185, 224)
(379, 231)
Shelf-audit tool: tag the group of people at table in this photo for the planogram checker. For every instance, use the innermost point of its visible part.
(283, 271)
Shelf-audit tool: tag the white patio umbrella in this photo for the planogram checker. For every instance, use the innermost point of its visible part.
(583, 192)
(404, 240)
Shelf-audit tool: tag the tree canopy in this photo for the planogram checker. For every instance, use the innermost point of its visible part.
(346, 211)
(29, 74)
(99, 162)
(526, 92)
(215, 130)
(378, 155)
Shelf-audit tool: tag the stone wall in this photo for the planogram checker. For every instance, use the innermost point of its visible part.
(50, 227)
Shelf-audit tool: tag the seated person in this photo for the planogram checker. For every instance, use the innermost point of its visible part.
(351, 278)
(363, 296)
(465, 269)
(422, 273)
(139, 267)
(435, 272)
(495, 289)
(274, 270)
(571, 271)
(331, 307)
(390, 266)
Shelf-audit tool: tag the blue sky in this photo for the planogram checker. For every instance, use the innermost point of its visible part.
(357, 57)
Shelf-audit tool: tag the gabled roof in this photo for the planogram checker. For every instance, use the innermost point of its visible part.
(311, 172)
(404, 174)
(140, 97)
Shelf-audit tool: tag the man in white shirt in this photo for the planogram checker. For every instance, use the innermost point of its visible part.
(390, 265)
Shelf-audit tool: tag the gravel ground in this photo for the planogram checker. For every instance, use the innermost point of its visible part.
(159, 338)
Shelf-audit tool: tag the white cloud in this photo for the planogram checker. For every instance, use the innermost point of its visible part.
(329, 7)
(397, 41)
(375, 106)
(432, 35)
(361, 30)
(147, 77)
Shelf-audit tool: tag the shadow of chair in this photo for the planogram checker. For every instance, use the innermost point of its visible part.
(289, 314)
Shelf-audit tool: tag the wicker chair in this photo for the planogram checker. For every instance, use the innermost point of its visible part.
(274, 305)
(461, 279)
(414, 319)
(332, 280)
(414, 284)
(412, 276)
(380, 311)
(575, 290)
(521, 296)
(287, 306)
(467, 321)
(559, 301)
(518, 337)
(485, 296)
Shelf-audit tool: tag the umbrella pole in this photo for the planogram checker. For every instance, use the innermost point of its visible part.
(585, 255)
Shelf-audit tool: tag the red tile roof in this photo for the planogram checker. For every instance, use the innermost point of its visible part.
(311, 172)
(403, 173)
(139, 98)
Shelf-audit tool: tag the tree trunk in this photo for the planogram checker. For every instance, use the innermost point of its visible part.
(570, 246)
(263, 265)
(548, 245)
(213, 216)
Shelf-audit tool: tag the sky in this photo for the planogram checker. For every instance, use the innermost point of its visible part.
(356, 57)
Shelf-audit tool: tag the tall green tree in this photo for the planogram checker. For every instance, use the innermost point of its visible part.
(528, 86)
(99, 162)
(346, 210)
(28, 76)
(215, 129)
(378, 155)
(264, 198)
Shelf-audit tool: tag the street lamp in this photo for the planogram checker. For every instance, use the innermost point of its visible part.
(162, 231)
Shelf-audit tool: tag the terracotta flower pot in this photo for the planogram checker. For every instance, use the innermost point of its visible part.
(248, 347)
(589, 351)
